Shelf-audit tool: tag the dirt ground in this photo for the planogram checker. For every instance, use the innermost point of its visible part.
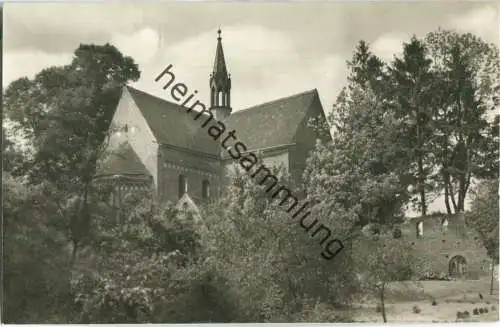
(450, 297)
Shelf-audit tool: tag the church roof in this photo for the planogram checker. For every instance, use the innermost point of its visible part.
(266, 125)
(124, 161)
(172, 124)
(272, 123)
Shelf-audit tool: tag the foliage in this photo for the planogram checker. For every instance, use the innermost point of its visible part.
(396, 233)
(416, 309)
(387, 259)
(11, 155)
(466, 141)
(427, 116)
(410, 94)
(359, 176)
(149, 269)
(65, 112)
(269, 260)
(484, 215)
(35, 256)
(434, 276)
(381, 259)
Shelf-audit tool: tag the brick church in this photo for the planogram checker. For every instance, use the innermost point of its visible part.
(157, 144)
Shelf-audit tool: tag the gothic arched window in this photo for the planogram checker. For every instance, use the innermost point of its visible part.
(457, 266)
(420, 229)
(205, 188)
(213, 94)
(220, 96)
(444, 224)
(182, 185)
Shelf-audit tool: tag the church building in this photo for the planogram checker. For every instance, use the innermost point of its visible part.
(158, 144)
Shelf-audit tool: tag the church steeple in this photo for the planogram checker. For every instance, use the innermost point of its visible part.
(220, 84)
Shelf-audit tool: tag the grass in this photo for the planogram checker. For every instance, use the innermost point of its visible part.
(451, 297)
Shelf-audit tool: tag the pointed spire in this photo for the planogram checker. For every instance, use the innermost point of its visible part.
(220, 84)
(220, 70)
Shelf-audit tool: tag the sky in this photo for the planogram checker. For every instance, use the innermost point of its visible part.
(272, 50)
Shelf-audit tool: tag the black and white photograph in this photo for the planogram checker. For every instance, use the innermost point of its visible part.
(250, 162)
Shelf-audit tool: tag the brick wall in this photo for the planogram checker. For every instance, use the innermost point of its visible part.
(270, 158)
(195, 167)
(438, 246)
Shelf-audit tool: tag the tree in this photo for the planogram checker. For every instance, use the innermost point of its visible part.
(412, 88)
(11, 156)
(150, 269)
(366, 69)
(367, 73)
(465, 147)
(270, 259)
(484, 219)
(383, 259)
(65, 113)
(35, 257)
(362, 175)
(365, 168)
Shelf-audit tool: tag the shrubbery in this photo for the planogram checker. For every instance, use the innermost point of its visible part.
(435, 276)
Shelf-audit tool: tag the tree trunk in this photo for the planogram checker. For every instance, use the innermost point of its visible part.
(447, 198)
(420, 163)
(452, 196)
(492, 276)
(423, 204)
(461, 195)
(464, 187)
(462, 168)
(382, 302)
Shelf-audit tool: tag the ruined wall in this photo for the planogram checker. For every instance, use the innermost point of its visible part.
(438, 245)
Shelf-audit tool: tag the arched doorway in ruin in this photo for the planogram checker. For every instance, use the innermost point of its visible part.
(457, 266)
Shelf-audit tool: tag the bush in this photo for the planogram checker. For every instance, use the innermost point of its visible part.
(378, 308)
(435, 276)
(481, 310)
(416, 309)
(460, 315)
(466, 314)
(485, 310)
(396, 233)
(434, 303)
(475, 312)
